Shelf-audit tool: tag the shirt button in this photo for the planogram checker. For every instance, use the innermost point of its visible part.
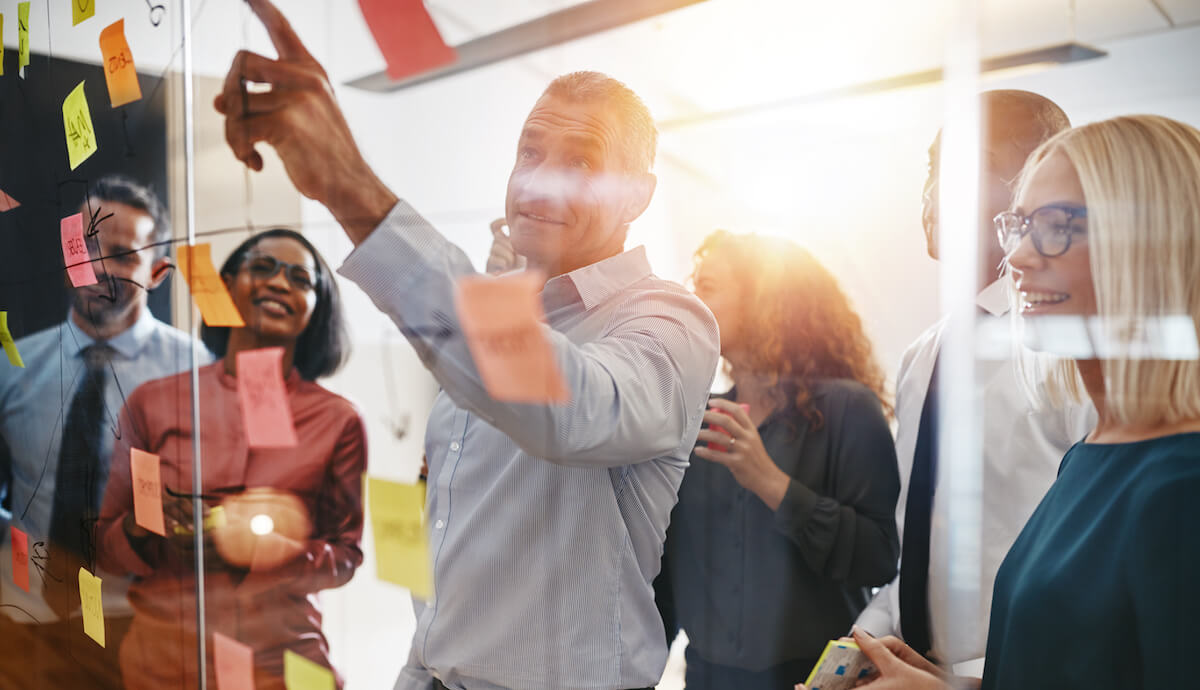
(454, 446)
(439, 524)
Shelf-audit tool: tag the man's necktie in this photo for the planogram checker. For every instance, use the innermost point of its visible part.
(918, 520)
(77, 482)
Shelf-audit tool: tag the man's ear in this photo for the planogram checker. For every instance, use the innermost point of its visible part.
(641, 191)
(159, 272)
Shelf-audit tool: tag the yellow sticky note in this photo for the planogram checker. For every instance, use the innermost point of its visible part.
(1, 43)
(10, 346)
(81, 10)
(22, 35)
(208, 290)
(77, 122)
(300, 673)
(90, 604)
(401, 543)
(119, 72)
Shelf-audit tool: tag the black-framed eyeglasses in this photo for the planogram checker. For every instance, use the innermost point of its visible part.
(1052, 228)
(265, 267)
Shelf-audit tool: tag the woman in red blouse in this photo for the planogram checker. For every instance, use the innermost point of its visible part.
(261, 575)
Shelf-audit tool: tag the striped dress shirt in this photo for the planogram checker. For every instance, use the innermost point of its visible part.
(546, 522)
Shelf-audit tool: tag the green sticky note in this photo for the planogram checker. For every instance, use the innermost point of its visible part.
(401, 542)
(300, 673)
(10, 346)
(81, 10)
(22, 34)
(77, 122)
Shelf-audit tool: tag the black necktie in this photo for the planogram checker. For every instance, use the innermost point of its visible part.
(918, 520)
(76, 490)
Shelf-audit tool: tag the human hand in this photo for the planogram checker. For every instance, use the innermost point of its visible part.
(900, 666)
(300, 118)
(744, 453)
(503, 258)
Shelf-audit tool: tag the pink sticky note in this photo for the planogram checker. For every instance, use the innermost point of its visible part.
(406, 35)
(233, 662)
(501, 319)
(75, 252)
(20, 558)
(714, 427)
(7, 203)
(266, 412)
(147, 490)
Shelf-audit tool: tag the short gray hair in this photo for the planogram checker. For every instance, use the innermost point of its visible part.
(640, 138)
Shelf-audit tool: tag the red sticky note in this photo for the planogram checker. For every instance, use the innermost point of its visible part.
(119, 71)
(75, 252)
(7, 203)
(20, 556)
(501, 319)
(406, 35)
(266, 412)
(234, 663)
(147, 490)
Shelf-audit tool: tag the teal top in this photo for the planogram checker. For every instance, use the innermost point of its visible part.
(1102, 587)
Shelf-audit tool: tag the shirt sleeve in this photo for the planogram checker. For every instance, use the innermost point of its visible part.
(877, 618)
(635, 394)
(850, 536)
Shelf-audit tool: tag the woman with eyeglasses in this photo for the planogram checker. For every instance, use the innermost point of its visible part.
(1100, 590)
(279, 524)
(786, 513)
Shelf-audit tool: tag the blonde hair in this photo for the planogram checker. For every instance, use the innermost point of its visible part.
(1141, 181)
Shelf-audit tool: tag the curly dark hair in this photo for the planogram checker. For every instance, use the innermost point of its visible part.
(805, 328)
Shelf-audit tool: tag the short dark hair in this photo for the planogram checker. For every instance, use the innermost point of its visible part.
(324, 345)
(640, 138)
(119, 189)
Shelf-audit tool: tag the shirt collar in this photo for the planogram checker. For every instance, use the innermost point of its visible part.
(128, 343)
(598, 282)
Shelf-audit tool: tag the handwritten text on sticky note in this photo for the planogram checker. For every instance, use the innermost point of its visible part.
(119, 71)
(81, 10)
(20, 558)
(22, 35)
(233, 662)
(75, 251)
(401, 542)
(208, 290)
(266, 412)
(10, 345)
(406, 35)
(91, 606)
(77, 123)
(501, 319)
(145, 471)
(301, 673)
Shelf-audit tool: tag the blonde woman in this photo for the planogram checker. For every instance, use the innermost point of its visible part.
(1101, 588)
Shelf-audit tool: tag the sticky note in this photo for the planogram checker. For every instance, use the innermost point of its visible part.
(119, 71)
(233, 662)
(208, 290)
(300, 673)
(266, 412)
(91, 606)
(841, 666)
(81, 10)
(75, 252)
(401, 542)
(20, 558)
(147, 490)
(502, 320)
(10, 345)
(1, 43)
(7, 203)
(77, 123)
(406, 35)
(22, 36)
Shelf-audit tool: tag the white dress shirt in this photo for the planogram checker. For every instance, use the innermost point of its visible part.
(1022, 449)
(546, 521)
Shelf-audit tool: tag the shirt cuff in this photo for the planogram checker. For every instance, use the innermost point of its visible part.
(796, 508)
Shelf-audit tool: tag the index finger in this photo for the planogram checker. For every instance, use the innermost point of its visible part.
(498, 226)
(283, 36)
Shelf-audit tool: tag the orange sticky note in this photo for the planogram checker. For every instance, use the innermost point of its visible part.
(7, 203)
(406, 35)
(75, 251)
(91, 605)
(301, 673)
(147, 490)
(401, 542)
(77, 123)
(233, 662)
(20, 558)
(119, 71)
(81, 10)
(10, 345)
(208, 290)
(502, 321)
(266, 412)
